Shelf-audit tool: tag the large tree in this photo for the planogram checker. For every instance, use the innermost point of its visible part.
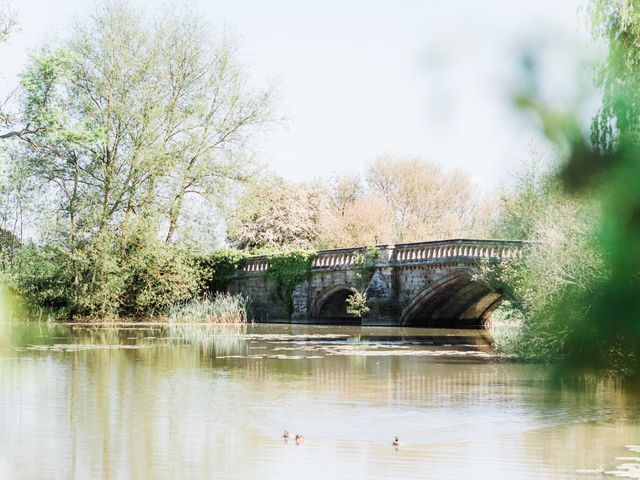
(275, 214)
(126, 118)
(428, 202)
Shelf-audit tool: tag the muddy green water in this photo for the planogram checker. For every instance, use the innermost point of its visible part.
(193, 402)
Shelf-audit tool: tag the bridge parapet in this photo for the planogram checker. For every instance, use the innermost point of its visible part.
(407, 253)
(459, 249)
(256, 265)
(338, 258)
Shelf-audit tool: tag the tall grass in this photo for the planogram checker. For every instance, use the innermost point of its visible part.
(221, 309)
(214, 339)
(222, 320)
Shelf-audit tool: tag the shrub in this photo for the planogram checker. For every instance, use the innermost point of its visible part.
(42, 276)
(357, 305)
(110, 276)
(156, 276)
(219, 268)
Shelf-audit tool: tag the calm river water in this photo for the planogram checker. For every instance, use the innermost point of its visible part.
(192, 402)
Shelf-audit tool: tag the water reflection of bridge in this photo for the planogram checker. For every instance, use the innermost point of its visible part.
(403, 379)
(392, 380)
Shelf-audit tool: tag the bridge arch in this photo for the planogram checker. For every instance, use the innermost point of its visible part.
(330, 304)
(455, 300)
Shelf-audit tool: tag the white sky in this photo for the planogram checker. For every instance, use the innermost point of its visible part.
(356, 78)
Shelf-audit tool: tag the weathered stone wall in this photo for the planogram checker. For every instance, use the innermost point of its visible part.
(263, 301)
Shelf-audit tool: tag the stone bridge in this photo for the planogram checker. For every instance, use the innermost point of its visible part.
(427, 284)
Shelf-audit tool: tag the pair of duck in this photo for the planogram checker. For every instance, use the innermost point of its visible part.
(299, 438)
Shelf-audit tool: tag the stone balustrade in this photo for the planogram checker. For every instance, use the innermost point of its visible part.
(457, 249)
(461, 250)
(256, 264)
(338, 258)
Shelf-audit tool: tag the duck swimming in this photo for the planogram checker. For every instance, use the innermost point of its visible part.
(285, 435)
(396, 442)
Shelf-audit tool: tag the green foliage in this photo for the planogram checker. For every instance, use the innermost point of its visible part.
(108, 277)
(617, 22)
(43, 276)
(357, 305)
(156, 276)
(365, 262)
(9, 245)
(536, 190)
(219, 268)
(576, 294)
(38, 83)
(126, 124)
(612, 168)
(547, 291)
(288, 269)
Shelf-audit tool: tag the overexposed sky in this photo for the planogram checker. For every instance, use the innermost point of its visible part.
(356, 78)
